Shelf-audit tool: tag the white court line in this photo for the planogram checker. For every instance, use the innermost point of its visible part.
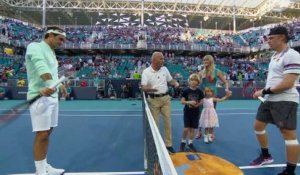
(91, 110)
(138, 110)
(96, 173)
(131, 115)
(137, 115)
(141, 172)
(264, 166)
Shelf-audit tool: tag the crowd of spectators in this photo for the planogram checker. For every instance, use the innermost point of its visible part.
(131, 67)
(102, 66)
(79, 36)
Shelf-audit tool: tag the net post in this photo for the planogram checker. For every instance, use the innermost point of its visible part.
(144, 131)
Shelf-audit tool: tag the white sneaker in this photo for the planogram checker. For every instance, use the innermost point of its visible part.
(54, 171)
(206, 139)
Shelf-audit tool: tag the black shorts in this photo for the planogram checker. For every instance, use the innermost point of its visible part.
(191, 118)
(283, 114)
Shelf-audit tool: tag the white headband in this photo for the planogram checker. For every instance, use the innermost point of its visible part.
(60, 32)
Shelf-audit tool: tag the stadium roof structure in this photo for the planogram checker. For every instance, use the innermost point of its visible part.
(209, 14)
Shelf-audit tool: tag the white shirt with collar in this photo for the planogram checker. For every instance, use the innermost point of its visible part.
(286, 62)
(157, 79)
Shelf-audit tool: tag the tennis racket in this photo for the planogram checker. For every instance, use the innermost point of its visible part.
(13, 113)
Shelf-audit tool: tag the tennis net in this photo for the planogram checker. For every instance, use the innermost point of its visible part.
(157, 159)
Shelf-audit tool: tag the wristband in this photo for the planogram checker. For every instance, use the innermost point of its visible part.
(49, 83)
(267, 91)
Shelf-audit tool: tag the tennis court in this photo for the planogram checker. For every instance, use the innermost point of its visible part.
(98, 137)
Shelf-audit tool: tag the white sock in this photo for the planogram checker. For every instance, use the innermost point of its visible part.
(47, 164)
(190, 141)
(40, 166)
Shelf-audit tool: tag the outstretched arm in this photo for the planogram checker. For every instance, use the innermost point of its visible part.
(216, 99)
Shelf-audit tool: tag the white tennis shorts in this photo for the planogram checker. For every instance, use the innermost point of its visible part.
(44, 114)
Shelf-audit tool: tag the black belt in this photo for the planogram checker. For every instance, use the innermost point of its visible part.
(158, 95)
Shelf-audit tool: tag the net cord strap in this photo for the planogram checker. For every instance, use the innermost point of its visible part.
(145, 133)
(165, 161)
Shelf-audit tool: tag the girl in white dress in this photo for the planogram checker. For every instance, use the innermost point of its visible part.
(209, 118)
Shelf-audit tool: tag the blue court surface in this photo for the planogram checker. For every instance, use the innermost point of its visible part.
(106, 137)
